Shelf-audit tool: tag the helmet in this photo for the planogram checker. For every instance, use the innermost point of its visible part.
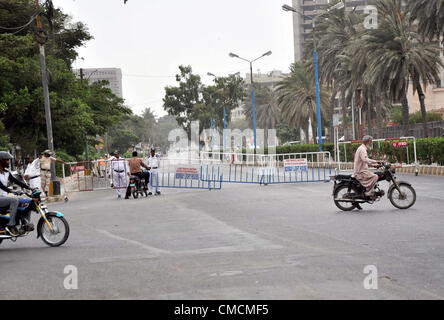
(4, 155)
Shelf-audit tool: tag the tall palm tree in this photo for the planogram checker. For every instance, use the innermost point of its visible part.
(430, 17)
(297, 98)
(396, 54)
(336, 30)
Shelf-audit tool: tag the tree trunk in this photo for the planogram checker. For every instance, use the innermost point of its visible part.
(332, 111)
(344, 114)
(405, 114)
(423, 109)
(370, 102)
(378, 106)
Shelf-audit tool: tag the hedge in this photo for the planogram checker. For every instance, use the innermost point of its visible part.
(428, 150)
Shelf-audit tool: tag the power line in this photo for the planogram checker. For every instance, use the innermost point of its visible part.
(166, 76)
(24, 26)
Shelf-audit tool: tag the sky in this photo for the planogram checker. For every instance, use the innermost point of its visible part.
(149, 39)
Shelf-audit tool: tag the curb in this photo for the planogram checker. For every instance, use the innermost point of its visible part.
(52, 199)
(423, 171)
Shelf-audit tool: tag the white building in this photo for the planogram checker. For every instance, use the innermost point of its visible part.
(112, 75)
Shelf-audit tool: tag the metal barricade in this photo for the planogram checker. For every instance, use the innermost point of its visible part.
(275, 169)
(401, 152)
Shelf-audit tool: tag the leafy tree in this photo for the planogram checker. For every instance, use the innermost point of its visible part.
(77, 108)
(192, 101)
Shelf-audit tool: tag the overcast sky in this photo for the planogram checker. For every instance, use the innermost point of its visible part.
(149, 39)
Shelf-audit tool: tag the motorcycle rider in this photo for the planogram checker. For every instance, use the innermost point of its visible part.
(136, 165)
(362, 162)
(5, 199)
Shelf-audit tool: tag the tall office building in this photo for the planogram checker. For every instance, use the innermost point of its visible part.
(302, 27)
(112, 75)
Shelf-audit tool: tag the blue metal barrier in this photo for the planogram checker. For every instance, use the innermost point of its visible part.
(186, 181)
(261, 175)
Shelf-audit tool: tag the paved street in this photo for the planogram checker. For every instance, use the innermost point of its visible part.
(242, 242)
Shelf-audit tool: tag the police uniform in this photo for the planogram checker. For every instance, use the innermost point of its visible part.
(33, 173)
(154, 164)
(118, 170)
(45, 170)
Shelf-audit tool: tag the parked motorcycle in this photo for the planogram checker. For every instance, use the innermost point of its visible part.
(349, 193)
(138, 187)
(52, 227)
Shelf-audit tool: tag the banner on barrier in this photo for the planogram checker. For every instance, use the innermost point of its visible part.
(295, 164)
(187, 173)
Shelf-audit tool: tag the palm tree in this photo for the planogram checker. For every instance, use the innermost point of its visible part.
(268, 113)
(336, 30)
(297, 98)
(395, 53)
(430, 17)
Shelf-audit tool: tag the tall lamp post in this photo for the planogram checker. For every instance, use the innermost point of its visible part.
(339, 5)
(232, 55)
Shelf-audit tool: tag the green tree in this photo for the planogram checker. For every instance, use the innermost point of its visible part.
(429, 14)
(396, 54)
(297, 98)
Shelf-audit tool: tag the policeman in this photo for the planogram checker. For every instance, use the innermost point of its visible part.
(154, 163)
(45, 169)
(32, 172)
(118, 171)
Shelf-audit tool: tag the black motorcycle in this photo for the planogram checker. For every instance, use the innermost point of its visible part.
(52, 226)
(139, 186)
(349, 193)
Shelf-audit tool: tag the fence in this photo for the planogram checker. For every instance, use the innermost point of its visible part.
(172, 173)
(436, 129)
(270, 169)
(401, 152)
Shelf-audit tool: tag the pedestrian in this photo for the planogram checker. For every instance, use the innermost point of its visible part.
(45, 169)
(32, 172)
(118, 171)
(154, 163)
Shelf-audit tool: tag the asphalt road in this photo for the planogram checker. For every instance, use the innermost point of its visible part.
(242, 242)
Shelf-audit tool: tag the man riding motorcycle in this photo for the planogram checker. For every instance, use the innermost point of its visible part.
(5, 199)
(136, 165)
(362, 162)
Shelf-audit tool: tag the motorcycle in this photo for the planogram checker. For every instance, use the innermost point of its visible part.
(349, 193)
(52, 227)
(138, 186)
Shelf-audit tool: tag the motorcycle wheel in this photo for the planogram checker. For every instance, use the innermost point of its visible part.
(405, 199)
(135, 194)
(340, 193)
(58, 235)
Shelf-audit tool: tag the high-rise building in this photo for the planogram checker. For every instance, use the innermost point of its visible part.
(112, 75)
(302, 27)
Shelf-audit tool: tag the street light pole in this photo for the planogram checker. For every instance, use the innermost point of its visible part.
(232, 55)
(41, 42)
(339, 5)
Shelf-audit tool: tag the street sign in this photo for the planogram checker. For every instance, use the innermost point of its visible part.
(187, 173)
(295, 164)
(400, 144)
